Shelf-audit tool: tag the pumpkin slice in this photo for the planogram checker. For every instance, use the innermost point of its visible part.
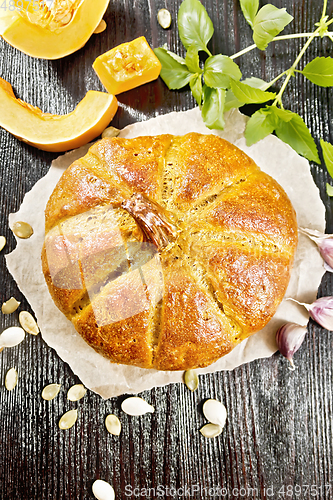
(51, 33)
(127, 66)
(53, 132)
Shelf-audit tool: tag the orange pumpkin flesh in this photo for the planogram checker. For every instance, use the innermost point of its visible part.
(127, 66)
(53, 132)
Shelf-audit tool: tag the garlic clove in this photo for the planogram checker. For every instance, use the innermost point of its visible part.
(321, 311)
(324, 243)
(289, 339)
(12, 336)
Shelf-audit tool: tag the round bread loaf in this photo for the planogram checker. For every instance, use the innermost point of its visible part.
(165, 252)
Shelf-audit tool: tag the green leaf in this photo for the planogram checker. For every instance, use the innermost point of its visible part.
(196, 88)
(320, 71)
(249, 9)
(194, 25)
(232, 102)
(268, 23)
(295, 133)
(327, 148)
(176, 57)
(219, 70)
(256, 83)
(174, 74)
(329, 189)
(192, 60)
(213, 108)
(259, 126)
(249, 95)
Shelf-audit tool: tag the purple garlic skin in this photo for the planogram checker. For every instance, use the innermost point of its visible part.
(324, 242)
(326, 250)
(321, 311)
(289, 339)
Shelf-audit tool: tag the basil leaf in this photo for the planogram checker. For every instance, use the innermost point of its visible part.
(176, 57)
(329, 189)
(295, 133)
(259, 126)
(281, 114)
(249, 9)
(196, 88)
(231, 101)
(213, 108)
(174, 74)
(194, 25)
(219, 70)
(320, 71)
(268, 23)
(256, 83)
(192, 60)
(328, 155)
(249, 95)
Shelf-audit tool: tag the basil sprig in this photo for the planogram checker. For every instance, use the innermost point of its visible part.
(217, 84)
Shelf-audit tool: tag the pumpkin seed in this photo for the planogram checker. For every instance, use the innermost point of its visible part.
(164, 18)
(211, 430)
(11, 379)
(2, 242)
(136, 406)
(103, 490)
(22, 229)
(68, 419)
(76, 392)
(113, 425)
(191, 379)
(110, 132)
(101, 27)
(51, 391)
(12, 336)
(10, 306)
(28, 323)
(215, 412)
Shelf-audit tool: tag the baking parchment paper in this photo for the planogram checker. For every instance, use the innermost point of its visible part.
(108, 379)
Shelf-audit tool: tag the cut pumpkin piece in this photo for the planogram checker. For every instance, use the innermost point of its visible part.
(51, 33)
(127, 66)
(53, 132)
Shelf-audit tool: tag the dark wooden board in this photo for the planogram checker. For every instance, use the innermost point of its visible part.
(278, 439)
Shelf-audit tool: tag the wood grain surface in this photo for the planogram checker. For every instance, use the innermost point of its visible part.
(277, 442)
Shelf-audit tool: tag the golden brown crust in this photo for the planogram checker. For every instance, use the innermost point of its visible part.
(220, 278)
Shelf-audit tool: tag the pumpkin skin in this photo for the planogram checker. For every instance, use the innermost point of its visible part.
(127, 66)
(224, 235)
(37, 40)
(53, 132)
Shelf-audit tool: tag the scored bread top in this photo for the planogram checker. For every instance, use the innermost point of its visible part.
(218, 278)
